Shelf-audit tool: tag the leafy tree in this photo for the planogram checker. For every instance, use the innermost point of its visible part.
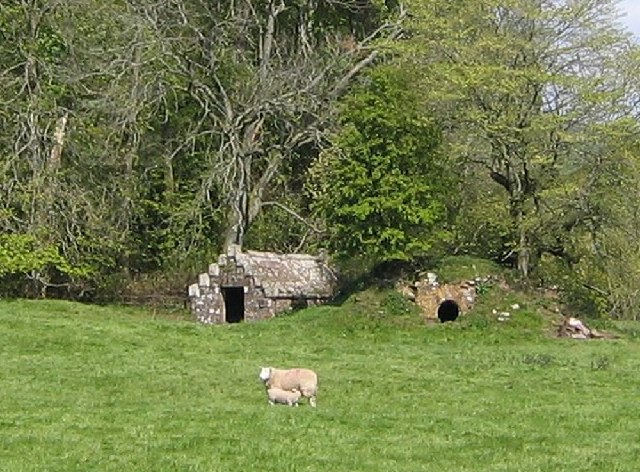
(22, 254)
(602, 276)
(525, 91)
(380, 187)
(142, 136)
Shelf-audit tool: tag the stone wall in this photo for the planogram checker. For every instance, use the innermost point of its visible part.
(429, 295)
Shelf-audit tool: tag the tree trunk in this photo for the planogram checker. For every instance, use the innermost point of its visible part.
(58, 142)
(234, 233)
(524, 251)
(237, 223)
(519, 193)
(169, 178)
(247, 201)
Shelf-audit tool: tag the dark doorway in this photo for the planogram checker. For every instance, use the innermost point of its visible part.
(448, 311)
(233, 304)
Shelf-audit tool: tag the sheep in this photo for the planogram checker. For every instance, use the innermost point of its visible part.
(277, 395)
(304, 380)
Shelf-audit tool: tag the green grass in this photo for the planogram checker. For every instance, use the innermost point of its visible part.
(457, 268)
(97, 388)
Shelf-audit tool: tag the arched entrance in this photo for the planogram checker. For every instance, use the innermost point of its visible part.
(448, 311)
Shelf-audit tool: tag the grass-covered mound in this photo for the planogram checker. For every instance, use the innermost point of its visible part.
(100, 388)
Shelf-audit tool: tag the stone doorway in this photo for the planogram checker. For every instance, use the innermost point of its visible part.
(233, 304)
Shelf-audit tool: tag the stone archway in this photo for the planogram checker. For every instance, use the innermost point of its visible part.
(442, 302)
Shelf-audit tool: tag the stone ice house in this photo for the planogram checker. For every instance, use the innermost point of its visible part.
(250, 286)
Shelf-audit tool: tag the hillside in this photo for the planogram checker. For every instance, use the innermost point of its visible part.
(101, 388)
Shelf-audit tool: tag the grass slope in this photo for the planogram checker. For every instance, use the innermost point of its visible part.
(94, 388)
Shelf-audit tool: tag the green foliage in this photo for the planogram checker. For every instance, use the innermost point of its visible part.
(496, 129)
(525, 122)
(379, 188)
(576, 283)
(23, 254)
(597, 270)
(395, 304)
(482, 226)
(50, 45)
(276, 229)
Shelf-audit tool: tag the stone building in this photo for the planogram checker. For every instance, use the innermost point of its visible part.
(250, 286)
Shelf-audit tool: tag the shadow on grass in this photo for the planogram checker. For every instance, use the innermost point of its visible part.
(381, 276)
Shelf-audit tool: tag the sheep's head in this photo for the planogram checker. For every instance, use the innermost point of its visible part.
(265, 373)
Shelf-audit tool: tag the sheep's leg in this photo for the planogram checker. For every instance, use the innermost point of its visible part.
(312, 401)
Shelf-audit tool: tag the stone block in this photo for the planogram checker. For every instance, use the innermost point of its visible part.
(194, 290)
(232, 250)
(204, 280)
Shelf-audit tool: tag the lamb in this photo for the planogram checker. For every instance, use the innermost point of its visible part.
(277, 395)
(303, 380)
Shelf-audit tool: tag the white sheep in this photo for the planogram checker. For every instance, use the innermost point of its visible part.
(303, 380)
(286, 397)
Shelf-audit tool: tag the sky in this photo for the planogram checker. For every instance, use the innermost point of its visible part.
(632, 18)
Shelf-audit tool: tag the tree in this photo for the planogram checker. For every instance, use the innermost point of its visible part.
(265, 76)
(78, 87)
(525, 89)
(380, 188)
(138, 135)
(602, 277)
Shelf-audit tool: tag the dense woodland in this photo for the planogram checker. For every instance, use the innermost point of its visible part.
(140, 138)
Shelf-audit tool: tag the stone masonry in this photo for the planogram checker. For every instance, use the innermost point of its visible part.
(430, 295)
(254, 285)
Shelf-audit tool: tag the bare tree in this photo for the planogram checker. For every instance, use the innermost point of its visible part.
(266, 75)
(78, 86)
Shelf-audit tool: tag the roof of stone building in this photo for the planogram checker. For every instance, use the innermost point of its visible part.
(285, 275)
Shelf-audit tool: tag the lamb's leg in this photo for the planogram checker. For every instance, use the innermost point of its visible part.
(312, 401)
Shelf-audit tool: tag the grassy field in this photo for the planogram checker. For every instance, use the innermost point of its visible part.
(101, 388)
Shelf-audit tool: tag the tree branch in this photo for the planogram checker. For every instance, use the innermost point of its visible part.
(294, 214)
